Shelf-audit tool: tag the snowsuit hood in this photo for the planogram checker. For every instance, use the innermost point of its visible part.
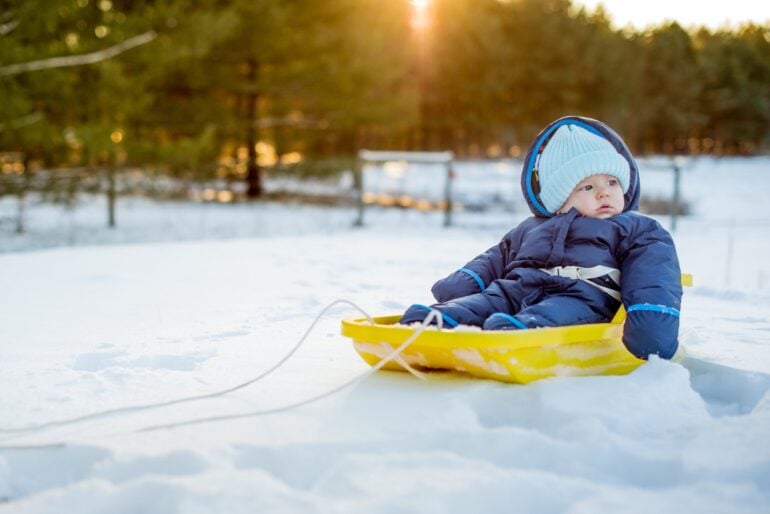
(530, 186)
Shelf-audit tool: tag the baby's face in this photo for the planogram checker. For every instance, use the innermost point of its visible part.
(597, 196)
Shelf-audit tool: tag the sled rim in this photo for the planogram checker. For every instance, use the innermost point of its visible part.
(386, 329)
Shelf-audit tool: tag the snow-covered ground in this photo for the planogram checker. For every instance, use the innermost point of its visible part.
(185, 299)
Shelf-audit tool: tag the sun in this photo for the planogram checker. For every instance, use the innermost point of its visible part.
(420, 19)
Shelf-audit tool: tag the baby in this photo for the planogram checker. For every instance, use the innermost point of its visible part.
(563, 266)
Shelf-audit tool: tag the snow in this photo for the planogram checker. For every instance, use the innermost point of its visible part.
(187, 299)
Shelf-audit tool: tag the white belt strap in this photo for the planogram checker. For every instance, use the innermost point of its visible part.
(586, 274)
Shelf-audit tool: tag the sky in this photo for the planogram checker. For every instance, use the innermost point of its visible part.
(688, 12)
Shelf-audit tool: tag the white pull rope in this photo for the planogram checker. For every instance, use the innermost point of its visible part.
(434, 314)
(394, 355)
(149, 406)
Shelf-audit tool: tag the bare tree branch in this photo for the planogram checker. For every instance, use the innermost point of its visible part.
(29, 119)
(78, 60)
(7, 27)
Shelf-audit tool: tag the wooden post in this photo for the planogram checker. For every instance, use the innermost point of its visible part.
(111, 195)
(21, 204)
(21, 200)
(448, 195)
(676, 200)
(359, 178)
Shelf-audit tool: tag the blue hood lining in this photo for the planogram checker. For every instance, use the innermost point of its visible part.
(594, 126)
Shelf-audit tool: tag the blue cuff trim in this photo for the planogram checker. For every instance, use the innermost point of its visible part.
(654, 308)
(513, 320)
(475, 277)
(447, 318)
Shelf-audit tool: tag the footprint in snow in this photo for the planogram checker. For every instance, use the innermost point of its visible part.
(100, 361)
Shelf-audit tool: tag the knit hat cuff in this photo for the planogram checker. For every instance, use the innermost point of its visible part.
(604, 162)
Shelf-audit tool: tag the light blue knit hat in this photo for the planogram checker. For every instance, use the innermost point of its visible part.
(572, 154)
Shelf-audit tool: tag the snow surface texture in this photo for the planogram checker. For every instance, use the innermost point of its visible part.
(216, 294)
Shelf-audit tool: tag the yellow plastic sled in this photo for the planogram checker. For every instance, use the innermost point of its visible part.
(519, 356)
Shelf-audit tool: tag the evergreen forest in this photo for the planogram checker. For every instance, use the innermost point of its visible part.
(229, 89)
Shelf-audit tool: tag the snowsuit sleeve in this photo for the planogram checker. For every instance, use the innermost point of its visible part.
(651, 290)
(477, 274)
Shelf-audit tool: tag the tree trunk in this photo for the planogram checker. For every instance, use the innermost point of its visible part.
(253, 179)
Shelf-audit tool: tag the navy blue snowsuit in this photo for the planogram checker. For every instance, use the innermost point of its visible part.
(528, 280)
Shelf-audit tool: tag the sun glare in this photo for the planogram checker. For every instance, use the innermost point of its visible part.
(420, 14)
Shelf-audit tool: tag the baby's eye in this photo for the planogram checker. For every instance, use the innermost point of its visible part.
(588, 187)
(612, 182)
